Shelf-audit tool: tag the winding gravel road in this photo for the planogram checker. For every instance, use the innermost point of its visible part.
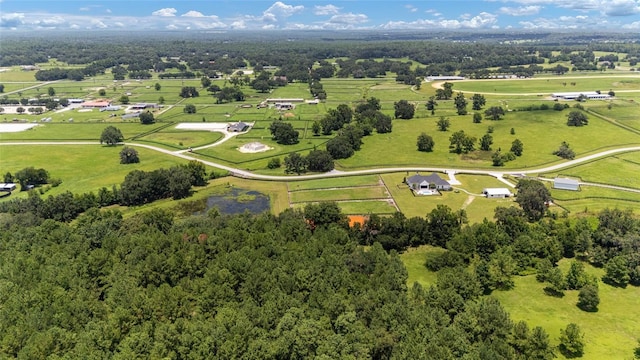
(335, 173)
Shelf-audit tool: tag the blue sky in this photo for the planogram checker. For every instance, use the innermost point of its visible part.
(592, 15)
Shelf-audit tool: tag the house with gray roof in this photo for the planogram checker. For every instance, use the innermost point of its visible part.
(419, 182)
(238, 127)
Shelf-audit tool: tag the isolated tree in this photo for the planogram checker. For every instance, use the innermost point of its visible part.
(129, 155)
(205, 81)
(477, 118)
(477, 101)
(383, 123)
(564, 151)
(576, 276)
(404, 109)
(20, 110)
(147, 118)
(425, 143)
(161, 100)
(461, 104)
(102, 92)
(316, 128)
(190, 109)
(571, 341)
(443, 123)
(157, 86)
(111, 135)
(124, 99)
(460, 142)
(295, 163)
(31, 176)
(1, 88)
(485, 142)
(189, 92)
(340, 148)
(283, 133)
(445, 92)
(577, 118)
(274, 163)
(431, 105)
(616, 272)
(494, 113)
(319, 160)
(539, 347)
(588, 298)
(51, 91)
(556, 281)
(517, 147)
(533, 197)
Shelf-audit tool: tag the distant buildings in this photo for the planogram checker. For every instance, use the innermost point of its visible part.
(575, 95)
(497, 193)
(566, 184)
(444, 78)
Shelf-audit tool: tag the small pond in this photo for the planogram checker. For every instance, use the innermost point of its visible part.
(237, 201)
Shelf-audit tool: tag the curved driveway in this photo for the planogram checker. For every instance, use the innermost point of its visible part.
(335, 173)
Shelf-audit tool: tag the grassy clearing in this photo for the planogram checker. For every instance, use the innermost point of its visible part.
(54, 132)
(610, 333)
(81, 168)
(589, 82)
(360, 207)
(621, 170)
(592, 206)
(349, 181)
(181, 139)
(228, 151)
(400, 145)
(377, 192)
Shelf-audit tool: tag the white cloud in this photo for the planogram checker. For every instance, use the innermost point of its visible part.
(193, 13)
(521, 11)
(171, 27)
(11, 20)
(95, 23)
(326, 10)
(622, 7)
(280, 9)
(633, 26)
(349, 19)
(564, 22)
(483, 20)
(411, 8)
(108, 11)
(165, 12)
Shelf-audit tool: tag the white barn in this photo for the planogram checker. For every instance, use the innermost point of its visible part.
(566, 184)
(593, 95)
(497, 193)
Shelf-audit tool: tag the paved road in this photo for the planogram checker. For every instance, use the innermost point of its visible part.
(335, 173)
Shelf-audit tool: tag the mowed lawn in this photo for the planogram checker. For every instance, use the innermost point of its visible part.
(77, 132)
(356, 193)
(621, 170)
(610, 333)
(82, 168)
(614, 81)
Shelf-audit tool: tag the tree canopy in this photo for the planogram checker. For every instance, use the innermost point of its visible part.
(111, 135)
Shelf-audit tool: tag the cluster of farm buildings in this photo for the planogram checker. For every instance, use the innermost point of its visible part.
(433, 184)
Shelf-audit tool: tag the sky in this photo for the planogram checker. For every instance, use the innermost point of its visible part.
(263, 15)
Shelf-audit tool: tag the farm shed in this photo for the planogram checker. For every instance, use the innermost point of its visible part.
(497, 193)
(8, 187)
(566, 184)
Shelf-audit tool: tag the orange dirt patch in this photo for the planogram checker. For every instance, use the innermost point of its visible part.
(287, 115)
(353, 219)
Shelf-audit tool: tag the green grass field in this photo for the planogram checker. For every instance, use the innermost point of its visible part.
(77, 132)
(358, 193)
(349, 181)
(620, 170)
(82, 168)
(610, 333)
(572, 83)
(170, 137)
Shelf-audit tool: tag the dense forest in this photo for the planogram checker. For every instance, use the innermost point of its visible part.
(298, 285)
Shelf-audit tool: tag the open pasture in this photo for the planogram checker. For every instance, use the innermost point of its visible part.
(76, 132)
(542, 132)
(181, 139)
(548, 85)
(360, 207)
(349, 181)
(356, 193)
(82, 168)
(621, 170)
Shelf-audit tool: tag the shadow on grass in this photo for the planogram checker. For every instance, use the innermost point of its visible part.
(553, 292)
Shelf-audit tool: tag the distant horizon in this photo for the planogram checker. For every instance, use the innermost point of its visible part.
(320, 15)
